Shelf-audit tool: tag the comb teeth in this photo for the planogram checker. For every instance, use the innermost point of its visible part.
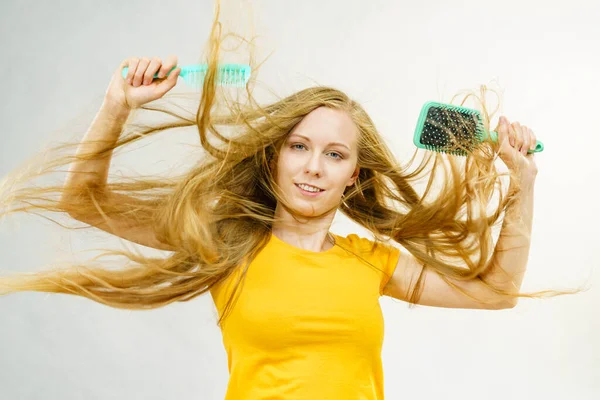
(227, 74)
(450, 129)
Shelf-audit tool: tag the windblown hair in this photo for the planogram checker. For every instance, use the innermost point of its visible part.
(218, 215)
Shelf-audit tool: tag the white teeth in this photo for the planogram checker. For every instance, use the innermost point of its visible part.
(309, 188)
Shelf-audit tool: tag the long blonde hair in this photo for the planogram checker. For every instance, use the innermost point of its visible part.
(218, 215)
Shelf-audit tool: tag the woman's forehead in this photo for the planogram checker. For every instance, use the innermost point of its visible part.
(327, 125)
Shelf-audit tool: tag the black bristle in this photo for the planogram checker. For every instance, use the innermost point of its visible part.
(445, 125)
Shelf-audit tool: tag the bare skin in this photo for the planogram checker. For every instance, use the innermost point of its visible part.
(317, 163)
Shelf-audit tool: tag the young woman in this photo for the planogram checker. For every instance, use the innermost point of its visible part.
(298, 305)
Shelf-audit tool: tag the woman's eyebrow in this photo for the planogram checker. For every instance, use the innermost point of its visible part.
(334, 143)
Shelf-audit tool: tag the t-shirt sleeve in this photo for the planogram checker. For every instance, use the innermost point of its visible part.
(384, 256)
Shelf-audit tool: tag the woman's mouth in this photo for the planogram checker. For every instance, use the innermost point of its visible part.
(309, 191)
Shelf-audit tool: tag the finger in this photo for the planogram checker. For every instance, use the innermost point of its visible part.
(518, 135)
(526, 140)
(132, 64)
(140, 70)
(168, 83)
(511, 134)
(533, 141)
(154, 66)
(167, 65)
(502, 130)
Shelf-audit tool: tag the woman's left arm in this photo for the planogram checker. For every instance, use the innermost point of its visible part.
(506, 271)
(509, 260)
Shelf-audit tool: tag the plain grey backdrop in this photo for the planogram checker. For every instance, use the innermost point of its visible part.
(392, 56)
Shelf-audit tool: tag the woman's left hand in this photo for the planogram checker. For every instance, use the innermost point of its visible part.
(515, 139)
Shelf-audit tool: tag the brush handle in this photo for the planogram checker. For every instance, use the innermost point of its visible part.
(539, 146)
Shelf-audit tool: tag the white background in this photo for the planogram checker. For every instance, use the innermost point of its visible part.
(392, 56)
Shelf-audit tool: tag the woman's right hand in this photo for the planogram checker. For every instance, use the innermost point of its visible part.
(139, 86)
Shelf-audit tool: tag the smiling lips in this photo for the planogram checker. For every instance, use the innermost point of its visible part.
(306, 192)
(309, 185)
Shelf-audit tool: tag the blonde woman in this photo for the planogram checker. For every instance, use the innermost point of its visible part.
(298, 305)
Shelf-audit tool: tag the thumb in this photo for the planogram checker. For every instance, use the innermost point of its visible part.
(119, 70)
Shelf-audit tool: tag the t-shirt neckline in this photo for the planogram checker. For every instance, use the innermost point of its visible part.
(332, 250)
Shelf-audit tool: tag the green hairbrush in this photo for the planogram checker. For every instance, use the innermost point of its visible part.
(453, 129)
(227, 74)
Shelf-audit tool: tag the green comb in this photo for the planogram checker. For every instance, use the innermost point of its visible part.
(227, 74)
(444, 127)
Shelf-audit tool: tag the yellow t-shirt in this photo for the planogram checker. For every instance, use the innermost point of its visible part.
(307, 325)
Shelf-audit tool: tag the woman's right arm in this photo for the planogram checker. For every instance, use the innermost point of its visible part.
(102, 134)
(121, 97)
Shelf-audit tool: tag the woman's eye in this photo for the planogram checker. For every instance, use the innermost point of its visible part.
(299, 144)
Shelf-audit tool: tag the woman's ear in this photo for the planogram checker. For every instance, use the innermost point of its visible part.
(354, 176)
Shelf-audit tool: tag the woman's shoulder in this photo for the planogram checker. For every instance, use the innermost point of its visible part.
(364, 244)
(381, 254)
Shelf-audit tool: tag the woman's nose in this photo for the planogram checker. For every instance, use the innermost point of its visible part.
(313, 165)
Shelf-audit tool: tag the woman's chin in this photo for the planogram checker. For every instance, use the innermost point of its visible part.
(313, 209)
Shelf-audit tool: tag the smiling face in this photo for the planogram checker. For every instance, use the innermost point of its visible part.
(320, 151)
